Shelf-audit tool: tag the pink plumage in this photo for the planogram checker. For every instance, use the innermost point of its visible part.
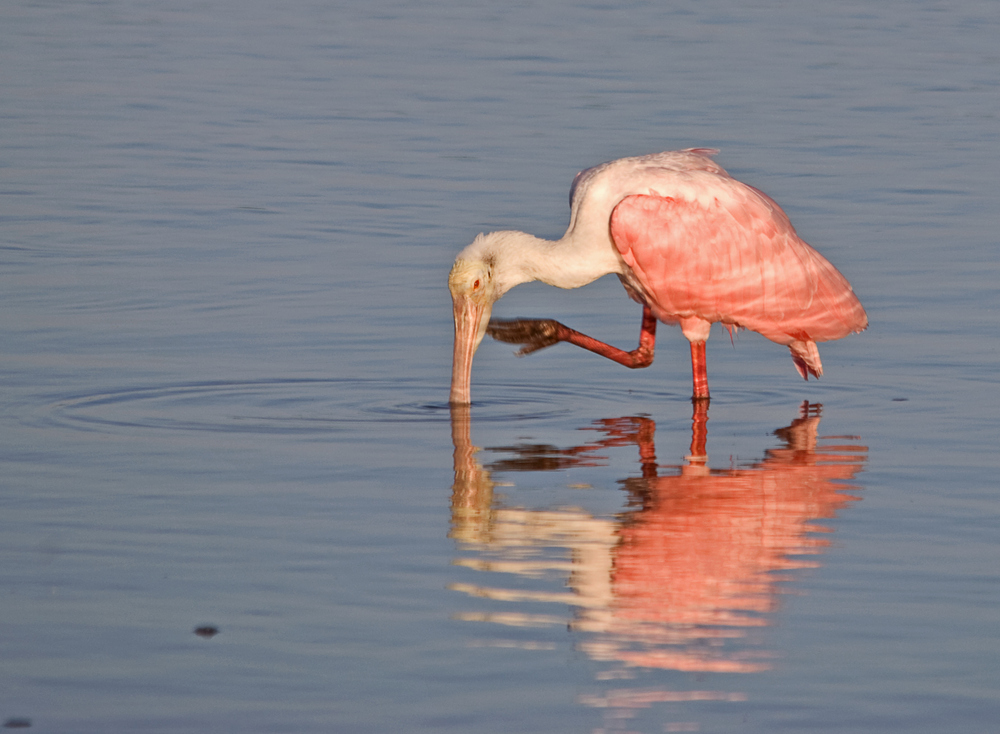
(733, 257)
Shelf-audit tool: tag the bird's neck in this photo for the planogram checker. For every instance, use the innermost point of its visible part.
(569, 262)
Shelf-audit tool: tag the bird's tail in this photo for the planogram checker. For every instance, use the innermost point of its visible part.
(805, 355)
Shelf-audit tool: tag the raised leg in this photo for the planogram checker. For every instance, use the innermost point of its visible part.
(537, 334)
(699, 371)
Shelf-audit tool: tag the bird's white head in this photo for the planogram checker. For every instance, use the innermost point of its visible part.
(485, 270)
(472, 283)
(482, 272)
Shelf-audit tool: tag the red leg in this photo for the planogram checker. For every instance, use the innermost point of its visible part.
(699, 371)
(641, 356)
(537, 334)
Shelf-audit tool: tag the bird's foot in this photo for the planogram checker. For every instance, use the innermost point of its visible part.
(534, 334)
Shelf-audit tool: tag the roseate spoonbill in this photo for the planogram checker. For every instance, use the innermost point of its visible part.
(689, 242)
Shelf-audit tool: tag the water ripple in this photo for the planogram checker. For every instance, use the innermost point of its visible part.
(321, 406)
(281, 406)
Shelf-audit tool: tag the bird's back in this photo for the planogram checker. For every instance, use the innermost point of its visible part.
(655, 166)
(597, 191)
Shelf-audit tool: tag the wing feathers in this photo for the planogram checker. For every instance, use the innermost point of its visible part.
(734, 257)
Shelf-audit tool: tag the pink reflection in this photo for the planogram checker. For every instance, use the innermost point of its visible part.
(685, 573)
(705, 550)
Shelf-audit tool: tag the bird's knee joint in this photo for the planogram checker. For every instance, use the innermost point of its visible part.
(641, 359)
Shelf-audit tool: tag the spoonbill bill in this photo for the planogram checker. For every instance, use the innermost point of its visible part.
(691, 244)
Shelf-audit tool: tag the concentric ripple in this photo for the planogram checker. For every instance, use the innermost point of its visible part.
(321, 406)
(283, 406)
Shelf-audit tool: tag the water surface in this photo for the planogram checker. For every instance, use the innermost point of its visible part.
(226, 229)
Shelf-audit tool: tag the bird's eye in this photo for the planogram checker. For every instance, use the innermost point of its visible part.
(475, 286)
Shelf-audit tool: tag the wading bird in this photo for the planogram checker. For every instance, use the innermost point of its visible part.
(690, 243)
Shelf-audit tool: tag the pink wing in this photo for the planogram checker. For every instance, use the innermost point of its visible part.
(734, 257)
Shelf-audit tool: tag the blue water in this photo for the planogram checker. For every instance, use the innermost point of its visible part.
(225, 231)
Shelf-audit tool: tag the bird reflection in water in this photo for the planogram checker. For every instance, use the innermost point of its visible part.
(683, 576)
